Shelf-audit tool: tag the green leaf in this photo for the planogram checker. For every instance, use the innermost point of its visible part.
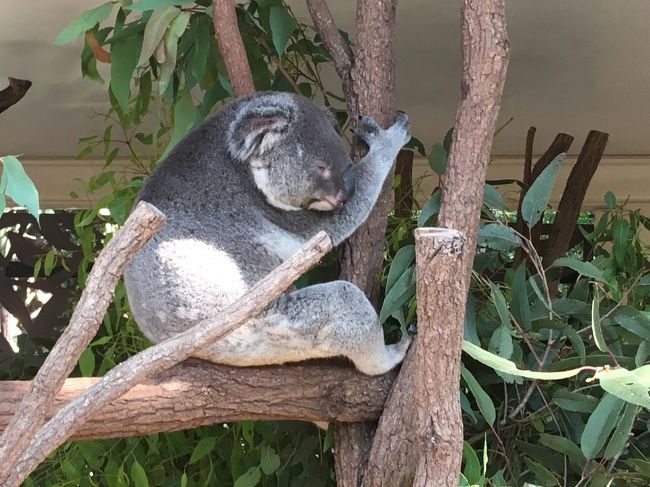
(537, 197)
(499, 301)
(87, 362)
(503, 365)
(621, 433)
(172, 34)
(542, 474)
(472, 468)
(492, 198)
(202, 448)
(599, 425)
(633, 320)
(483, 401)
(155, 30)
(250, 479)
(574, 401)
(498, 236)
(585, 268)
(596, 326)
(430, 208)
(631, 386)
(184, 118)
(16, 185)
(519, 305)
(620, 237)
(124, 59)
(138, 475)
(86, 21)
(282, 26)
(402, 260)
(564, 446)
(610, 200)
(269, 460)
(501, 342)
(153, 4)
(438, 159)
(400, 293)
(639, 358)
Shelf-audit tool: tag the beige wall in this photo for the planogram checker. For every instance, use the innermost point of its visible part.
(626, 176)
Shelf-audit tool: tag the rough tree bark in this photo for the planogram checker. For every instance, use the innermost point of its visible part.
(419, 438)
(163, 356)
(197, 393)
(85, 321)
(13, 93)
(231, 46)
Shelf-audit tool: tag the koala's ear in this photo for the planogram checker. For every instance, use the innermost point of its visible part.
(260, 123)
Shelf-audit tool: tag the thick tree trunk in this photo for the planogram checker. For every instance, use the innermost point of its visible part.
(419, 438)
(197, 393)
(373, 84)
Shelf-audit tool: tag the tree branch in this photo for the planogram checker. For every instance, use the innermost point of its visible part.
(13, 93)
(574, 195)
(166, 354)
(231, 46)
(85, 321)
(198, 393)
(338, 49)
(424, 437)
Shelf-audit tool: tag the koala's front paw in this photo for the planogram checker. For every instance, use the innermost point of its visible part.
(395, 136)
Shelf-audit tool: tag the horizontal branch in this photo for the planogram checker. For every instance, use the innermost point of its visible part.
(13, 93)
(197, 393)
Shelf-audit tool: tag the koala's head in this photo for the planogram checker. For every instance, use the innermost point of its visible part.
(296, 157)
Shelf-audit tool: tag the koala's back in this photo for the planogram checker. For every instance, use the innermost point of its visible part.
(214, 215)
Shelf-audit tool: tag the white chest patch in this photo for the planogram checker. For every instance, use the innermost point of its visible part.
(281, 243)
(261, 176)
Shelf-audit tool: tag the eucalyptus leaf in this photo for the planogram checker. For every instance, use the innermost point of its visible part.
(596, 325)
(138, 475)
(430, 208)
(503, 365)
(599, 425)
(202, 449)
(483, 401)
(492, 198)
(472, 466)
(185, 116)
(630, 385)
(400, 293)
(520, 305)
(282, 26)
(633, 320)
(564, 446)
(498, 236)
(438, 159)
(124, 59)
(154, 4)
(574, 401)
(86, 21)
(170, 41)
(403, 258)
(622, 432)
(538, 195)
(17, 185)
(155, 30)
(251, 478)
(585, 268)
(269, 460)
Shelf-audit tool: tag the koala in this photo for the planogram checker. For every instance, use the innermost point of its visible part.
(242, 192)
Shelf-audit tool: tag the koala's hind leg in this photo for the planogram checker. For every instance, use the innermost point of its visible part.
(325, 320)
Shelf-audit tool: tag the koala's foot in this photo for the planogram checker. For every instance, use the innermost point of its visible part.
(383, 358)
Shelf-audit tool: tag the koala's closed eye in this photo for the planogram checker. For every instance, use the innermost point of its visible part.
(324, 171)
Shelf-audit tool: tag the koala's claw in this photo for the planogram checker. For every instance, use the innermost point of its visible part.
(371, 133)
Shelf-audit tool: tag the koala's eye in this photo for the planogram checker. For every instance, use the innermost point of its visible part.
(324, 170)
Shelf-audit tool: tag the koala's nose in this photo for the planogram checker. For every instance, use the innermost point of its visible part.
(348, 181)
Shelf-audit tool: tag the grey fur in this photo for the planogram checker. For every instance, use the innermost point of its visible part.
(241, 193)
